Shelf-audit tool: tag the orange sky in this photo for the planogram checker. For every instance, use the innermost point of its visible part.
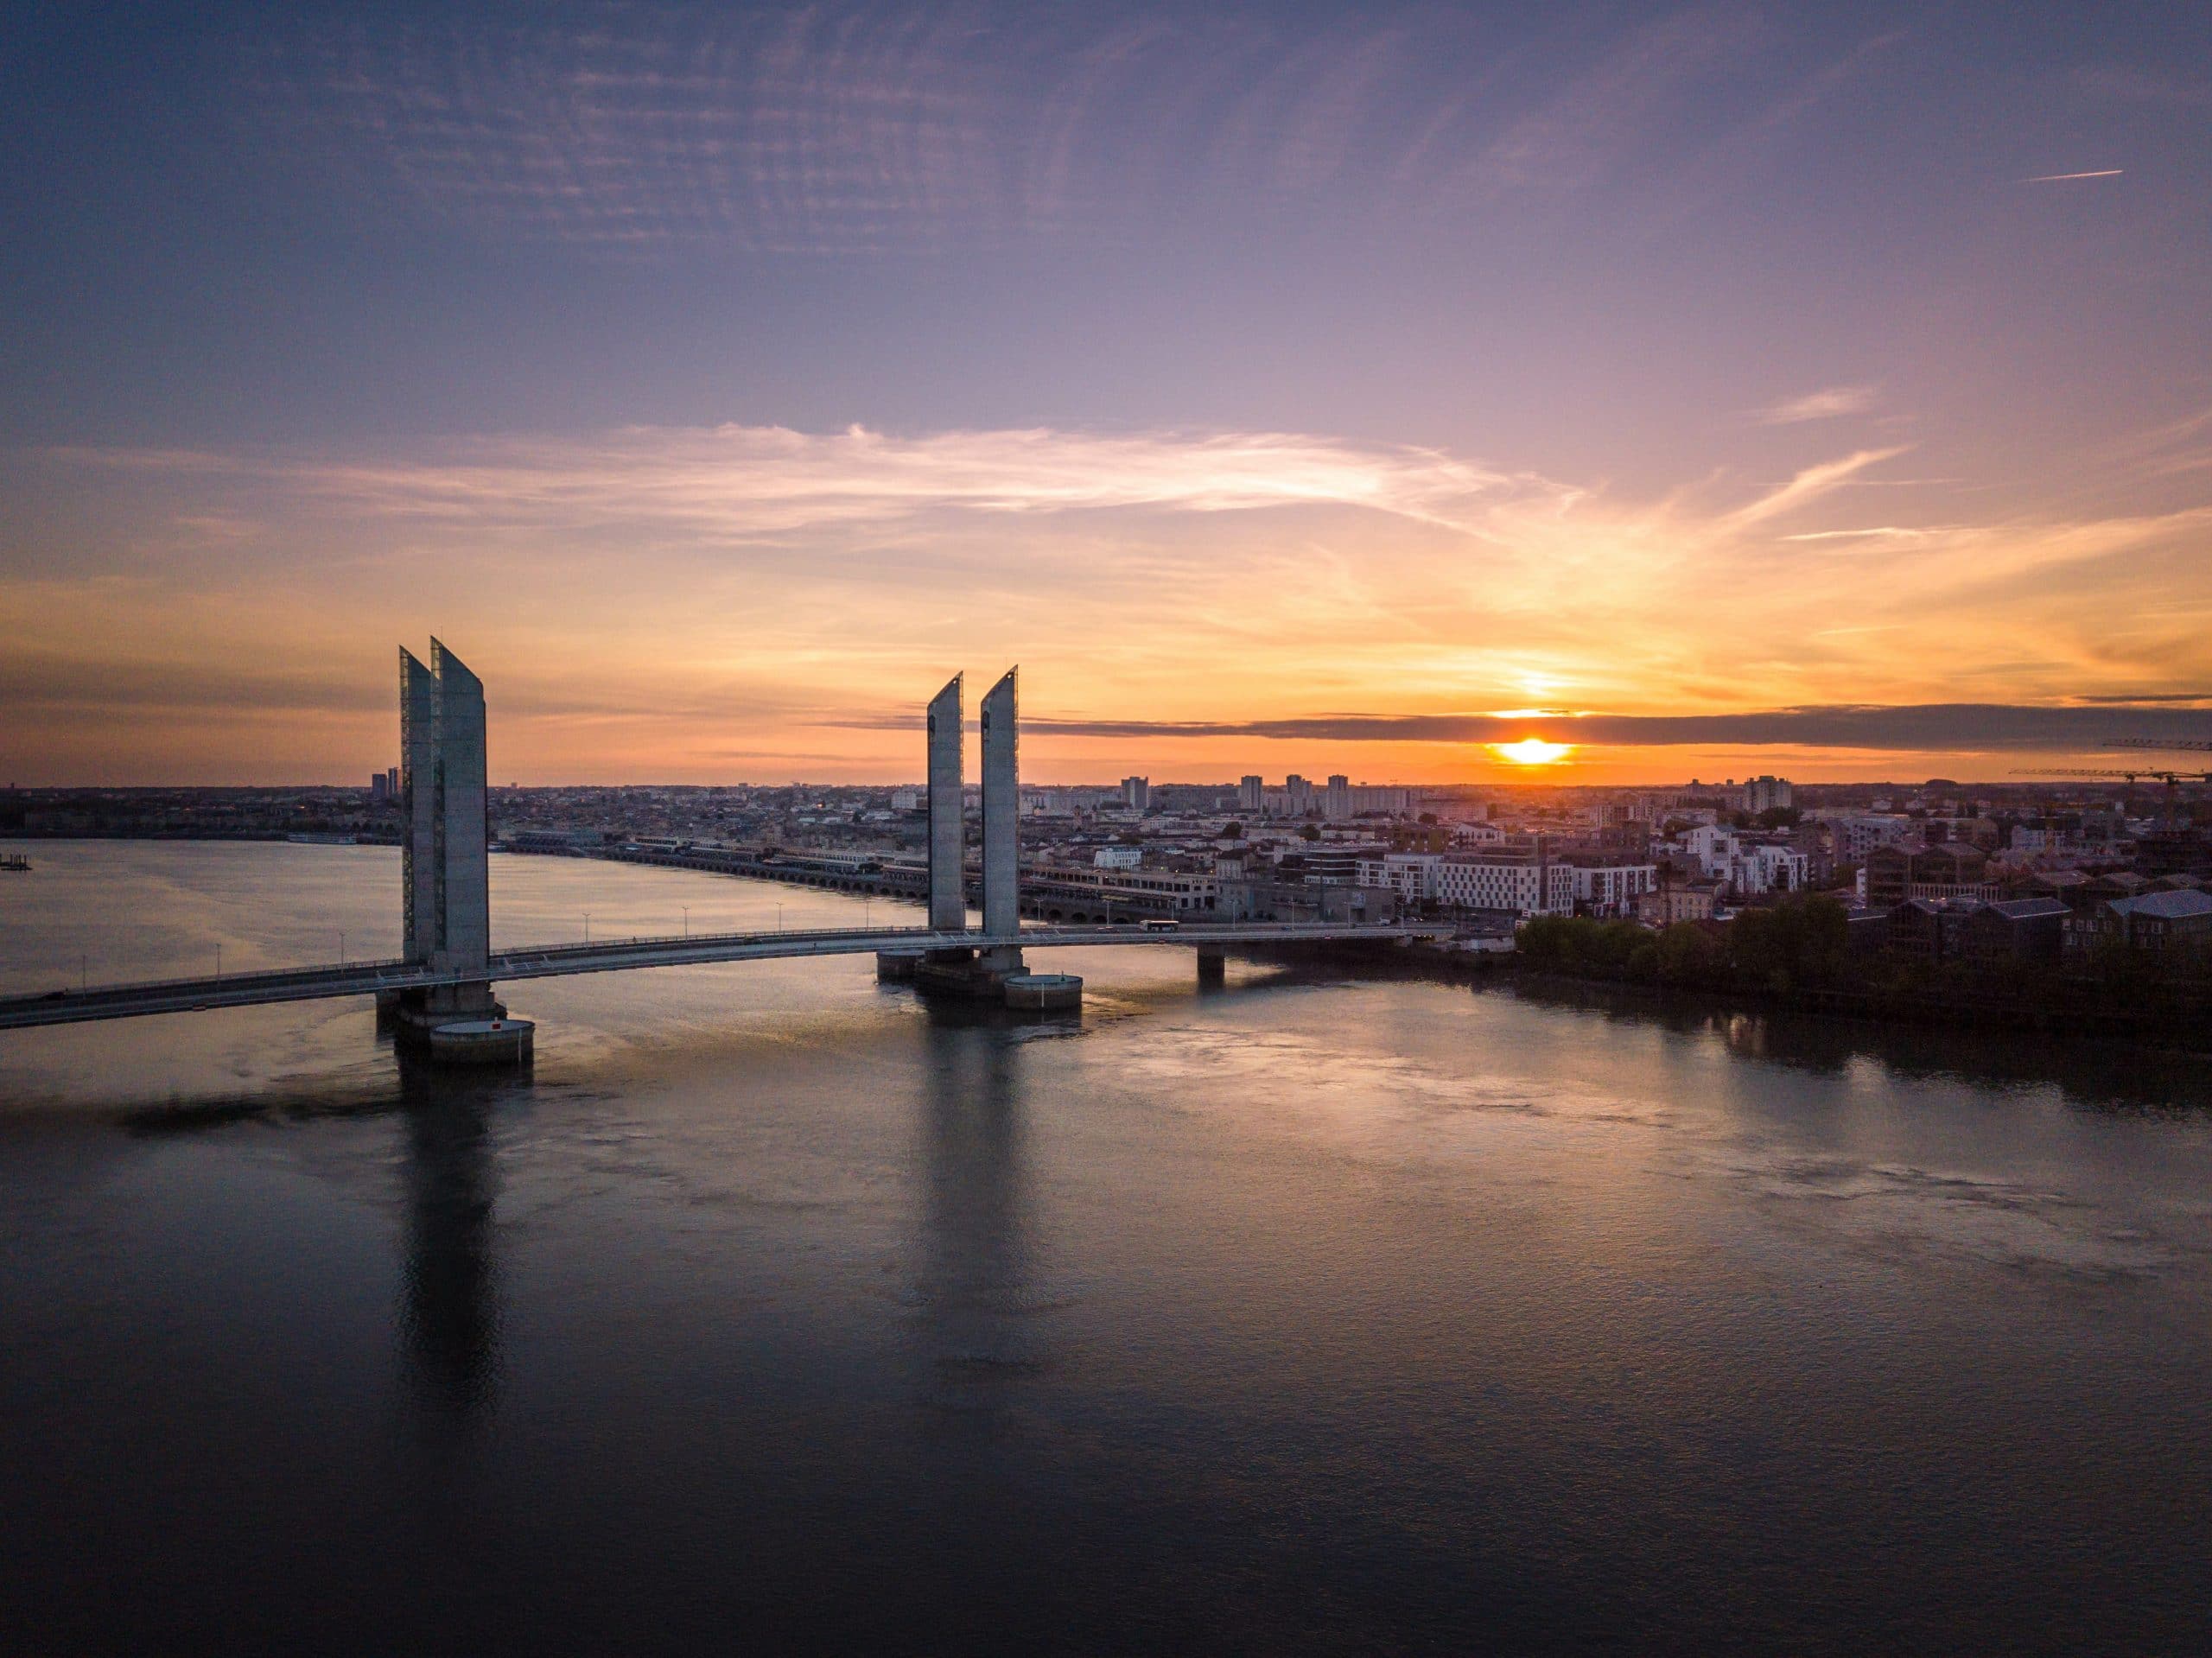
(744, 604)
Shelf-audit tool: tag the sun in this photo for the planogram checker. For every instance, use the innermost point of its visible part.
(1533, 751)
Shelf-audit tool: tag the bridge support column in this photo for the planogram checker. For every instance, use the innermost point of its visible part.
(1001, 827)
(966, 975)
(415, 1014)
(898, 966)
(947, 833)
(1213, 969)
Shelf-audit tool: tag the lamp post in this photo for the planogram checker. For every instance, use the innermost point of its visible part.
(587, 926)
(341, 947)
(687, 918)
(779, 918)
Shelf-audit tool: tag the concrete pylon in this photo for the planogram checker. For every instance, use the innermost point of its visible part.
(445, 868)
(1001, 832)
(948, 840)
(418, 807)
(465, 898)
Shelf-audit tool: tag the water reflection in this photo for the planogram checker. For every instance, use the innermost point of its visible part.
(973, 1292)
(449, 1319)
(2093, 1075)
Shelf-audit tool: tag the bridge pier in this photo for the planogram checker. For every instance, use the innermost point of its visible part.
(994, 975)
(457, 1024)
(1213, 969)
(415, 1014)
(957, 972)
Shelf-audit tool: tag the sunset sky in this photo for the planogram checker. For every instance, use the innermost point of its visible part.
(1728, 388)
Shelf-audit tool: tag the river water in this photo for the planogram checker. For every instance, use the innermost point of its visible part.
(772, 1308)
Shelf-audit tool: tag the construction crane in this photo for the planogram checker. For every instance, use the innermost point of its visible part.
(2172, 779)
(2158, 745)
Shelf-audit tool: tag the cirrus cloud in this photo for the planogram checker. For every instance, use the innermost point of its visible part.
(1825, 405)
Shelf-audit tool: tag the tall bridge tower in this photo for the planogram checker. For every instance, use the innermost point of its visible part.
(948, 836)
(987, 970)
(446, 871)
(1001, 827)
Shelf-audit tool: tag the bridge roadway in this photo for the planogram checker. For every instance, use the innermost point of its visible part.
(552, 961)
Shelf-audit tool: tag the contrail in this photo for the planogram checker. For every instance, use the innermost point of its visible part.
(2058, 178)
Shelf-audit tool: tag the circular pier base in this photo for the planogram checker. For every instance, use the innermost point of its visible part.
(1044, 992)
(482, 1042)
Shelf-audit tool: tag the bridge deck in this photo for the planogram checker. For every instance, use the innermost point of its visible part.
(551, 961)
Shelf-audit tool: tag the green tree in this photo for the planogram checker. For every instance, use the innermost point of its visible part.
(1802, 940)
(1549, 942)
(1687, 954)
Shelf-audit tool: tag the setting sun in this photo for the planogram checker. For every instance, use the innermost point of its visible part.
(1532, 750)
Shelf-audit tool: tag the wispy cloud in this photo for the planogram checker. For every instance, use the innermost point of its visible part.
(1807, 486)
(1820, 405)
(1873, 532)
(739, 483)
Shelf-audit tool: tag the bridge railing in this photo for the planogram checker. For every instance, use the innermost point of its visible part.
(574, 948)
(703, 940)
(377, 974)
(260, 978)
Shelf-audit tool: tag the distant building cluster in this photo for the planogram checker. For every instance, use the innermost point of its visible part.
(1336, 801)
(1938, 872)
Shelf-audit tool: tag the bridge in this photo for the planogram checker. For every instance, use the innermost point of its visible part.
(440, 990)
(391, 978)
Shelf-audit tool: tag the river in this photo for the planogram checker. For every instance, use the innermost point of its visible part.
(772, 1308)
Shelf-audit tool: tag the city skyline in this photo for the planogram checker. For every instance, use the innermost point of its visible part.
(1316, 389)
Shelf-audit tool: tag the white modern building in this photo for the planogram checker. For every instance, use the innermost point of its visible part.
(1764, 868)
(1411, 875)
(1527, 885)
(1614, 889)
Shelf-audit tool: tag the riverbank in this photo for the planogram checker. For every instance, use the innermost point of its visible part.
(2178, 1025)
